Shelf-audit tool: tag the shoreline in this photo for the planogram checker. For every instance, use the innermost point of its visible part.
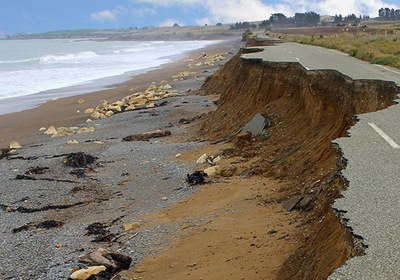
(30, 101)
(23, 126)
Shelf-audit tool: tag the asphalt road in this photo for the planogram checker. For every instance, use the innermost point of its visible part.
(372, 200)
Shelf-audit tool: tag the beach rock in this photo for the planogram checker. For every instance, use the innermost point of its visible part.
(131, 226)
(119, 103)
(150, 105)
(42, 128)
(81, 101)
(217, 159)
(85, 130)
(89, 111)
(166, 87)
(96, 115)
(63, 131)
(51, 130)
(15, 145)
(83, 274)
(202, 159)
(130, 107)
(72, 142)
(109, 113)
(211, 171)
(115, 108)
(137, 100)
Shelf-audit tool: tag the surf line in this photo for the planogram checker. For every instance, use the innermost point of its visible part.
(384, 135)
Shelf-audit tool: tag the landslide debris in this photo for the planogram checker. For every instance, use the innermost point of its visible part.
(304, 112)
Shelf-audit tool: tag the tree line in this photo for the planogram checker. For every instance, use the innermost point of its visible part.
(311, 19)
(387, 13)
(279, 19)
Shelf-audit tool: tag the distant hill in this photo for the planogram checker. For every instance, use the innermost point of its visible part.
(143, 34)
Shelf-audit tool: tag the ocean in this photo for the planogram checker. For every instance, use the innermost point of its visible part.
(35, 71)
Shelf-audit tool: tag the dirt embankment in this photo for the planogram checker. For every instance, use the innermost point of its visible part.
(305, 111)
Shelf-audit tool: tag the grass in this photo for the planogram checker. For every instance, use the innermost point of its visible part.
(379, 46)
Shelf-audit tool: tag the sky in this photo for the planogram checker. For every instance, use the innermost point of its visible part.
(33, 16)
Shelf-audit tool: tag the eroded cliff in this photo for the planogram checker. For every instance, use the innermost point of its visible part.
(305, 111)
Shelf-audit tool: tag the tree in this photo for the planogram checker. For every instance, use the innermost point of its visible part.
(387, 13)
(306, 19)
(337, 19)
(352, 19)
(278, 19)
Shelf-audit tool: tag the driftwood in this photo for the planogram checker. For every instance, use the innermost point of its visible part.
(113, 260)
(147, 135)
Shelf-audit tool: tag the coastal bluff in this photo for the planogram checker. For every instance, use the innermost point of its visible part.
(304, 112)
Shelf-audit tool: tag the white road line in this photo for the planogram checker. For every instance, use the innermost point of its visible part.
(298, 59)
(388, 69)
(384, 136)
(290, 52)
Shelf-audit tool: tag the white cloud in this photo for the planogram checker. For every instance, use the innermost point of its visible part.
(250, 10)
(105, 15)
(109, 15)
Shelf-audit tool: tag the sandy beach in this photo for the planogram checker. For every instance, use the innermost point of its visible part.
(47, 206)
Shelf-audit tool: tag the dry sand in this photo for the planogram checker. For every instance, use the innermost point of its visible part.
(229, 229)
(224, 230)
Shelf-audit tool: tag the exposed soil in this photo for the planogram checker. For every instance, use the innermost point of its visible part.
(305, 111)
